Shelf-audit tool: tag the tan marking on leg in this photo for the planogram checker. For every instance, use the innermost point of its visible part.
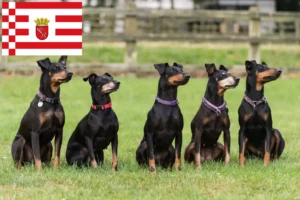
(114, 161)
(56, 162)
(242, 154)
(177, 161)
(266, 156)
(152, 166)
(94, 164)
(227, 155)
(37, 164)
(197, 160)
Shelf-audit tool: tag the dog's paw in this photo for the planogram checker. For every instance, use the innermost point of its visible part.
(94, 164)
(115, 169)
(152, 170)
(56, 162)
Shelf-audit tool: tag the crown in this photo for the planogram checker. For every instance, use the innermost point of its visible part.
(42, 21)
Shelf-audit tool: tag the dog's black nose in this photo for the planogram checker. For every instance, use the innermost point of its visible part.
(70, 74)
(237, 80)
(279, 72)
(117, 83)
(187, 77)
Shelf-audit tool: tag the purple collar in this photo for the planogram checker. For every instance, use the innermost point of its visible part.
(168, 103)
(49, 100)
(217, 109)
(254, 103)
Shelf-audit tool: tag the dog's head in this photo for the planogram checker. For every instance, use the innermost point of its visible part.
(172, 75)
(259, 74)
(105, 84)
(55, 72)
(220, 80)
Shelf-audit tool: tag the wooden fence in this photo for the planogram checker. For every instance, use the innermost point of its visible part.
(131, 25)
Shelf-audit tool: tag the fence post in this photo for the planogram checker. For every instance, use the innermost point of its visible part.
(130, 29)
(297, 27)
(254, 34)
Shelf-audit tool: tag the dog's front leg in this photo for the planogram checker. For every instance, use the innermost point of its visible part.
(242, 145)
(90, 147)
(198, 135)
(58, 141)
(178, 144)
(35, 141)
(268, 145)
(149, 140)
(227, 145)
(114, 148)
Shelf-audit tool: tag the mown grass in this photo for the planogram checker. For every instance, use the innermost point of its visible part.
(279, 55)
(131, 102)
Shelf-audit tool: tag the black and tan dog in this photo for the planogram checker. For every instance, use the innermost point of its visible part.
(212, 119)
(164, 121)
(257, 137)
(98, 128)
(44, 118)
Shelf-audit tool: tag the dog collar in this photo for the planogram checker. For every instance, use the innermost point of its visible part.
(217, 109)
(254, 103)
(168, 103)
(102, 107)
(47, 99)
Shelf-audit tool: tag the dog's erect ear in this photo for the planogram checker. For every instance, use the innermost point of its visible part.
(177, 65)
(92, 77)
(210, 68)
(264, 63)
(44, 64)
(222, 67)
(250, 65)
(63, 60)
(161, 68)
(107, 74)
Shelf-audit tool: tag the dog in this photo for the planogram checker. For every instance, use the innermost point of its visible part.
(211, 119)
(164, 121)
(98, 128)
(257, 137)
(44, 118)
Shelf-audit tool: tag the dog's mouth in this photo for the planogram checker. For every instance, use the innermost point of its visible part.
(67, 79)
(111, 88)
(183, 81)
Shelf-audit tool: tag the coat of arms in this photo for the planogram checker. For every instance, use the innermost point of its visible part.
(41, 29)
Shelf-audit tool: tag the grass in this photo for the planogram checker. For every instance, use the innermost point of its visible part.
(131, 102)
(197, 54)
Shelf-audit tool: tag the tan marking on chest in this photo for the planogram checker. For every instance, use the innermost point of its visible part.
(45, 116)
(225, 121)
(206, 120)
(60, 116)
(265, 116)
(247, 117)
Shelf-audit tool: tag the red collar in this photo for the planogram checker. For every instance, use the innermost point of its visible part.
(102, 107)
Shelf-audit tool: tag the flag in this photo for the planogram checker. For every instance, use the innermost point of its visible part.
(41, 28)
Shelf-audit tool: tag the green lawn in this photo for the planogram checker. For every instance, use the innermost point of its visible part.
(131, 102)
(279, 55)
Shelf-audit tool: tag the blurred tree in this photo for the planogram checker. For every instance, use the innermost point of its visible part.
(288, 5)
